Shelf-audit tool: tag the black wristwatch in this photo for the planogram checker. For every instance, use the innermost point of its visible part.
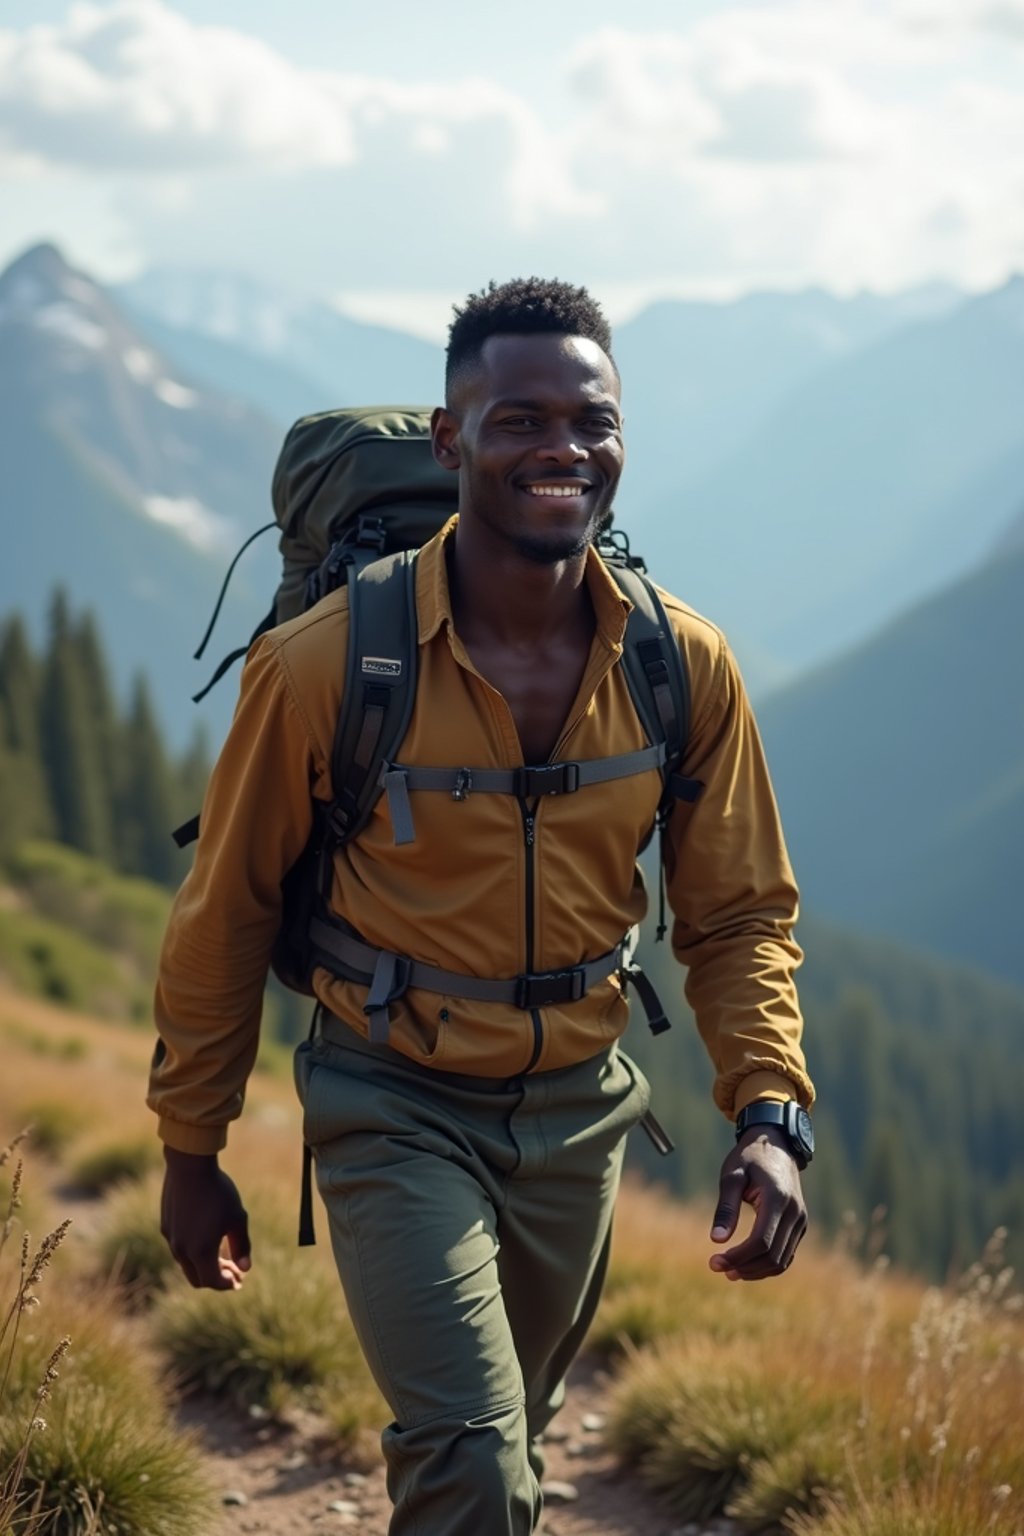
(793, 1121)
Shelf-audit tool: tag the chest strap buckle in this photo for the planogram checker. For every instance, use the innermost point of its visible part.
(546, 779)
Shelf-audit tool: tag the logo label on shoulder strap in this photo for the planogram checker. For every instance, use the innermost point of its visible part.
(381, 666)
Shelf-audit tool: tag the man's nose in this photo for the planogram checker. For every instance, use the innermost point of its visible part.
(561, 446)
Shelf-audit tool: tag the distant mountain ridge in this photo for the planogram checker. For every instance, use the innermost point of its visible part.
(127, 480)
(700, 381)
(873, 484)
(810, 522)
(290, 356)
(900, 773)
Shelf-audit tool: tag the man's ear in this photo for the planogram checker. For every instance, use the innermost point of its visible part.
(444, 438)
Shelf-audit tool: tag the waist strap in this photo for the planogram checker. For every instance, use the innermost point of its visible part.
(388, 975)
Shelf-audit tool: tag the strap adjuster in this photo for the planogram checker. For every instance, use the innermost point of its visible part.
(547, 988)
(546, 779)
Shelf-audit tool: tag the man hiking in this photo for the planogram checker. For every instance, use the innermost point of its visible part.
(468, 1132)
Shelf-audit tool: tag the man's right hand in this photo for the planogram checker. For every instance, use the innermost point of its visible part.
(199, 1209)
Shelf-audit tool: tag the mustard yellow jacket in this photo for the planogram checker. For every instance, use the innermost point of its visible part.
(456, 897)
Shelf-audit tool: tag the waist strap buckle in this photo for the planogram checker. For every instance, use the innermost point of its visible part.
(547, 988)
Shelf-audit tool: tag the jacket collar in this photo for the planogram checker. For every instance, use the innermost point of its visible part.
(434, 604)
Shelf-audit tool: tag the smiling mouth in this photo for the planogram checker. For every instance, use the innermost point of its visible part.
(554, 489)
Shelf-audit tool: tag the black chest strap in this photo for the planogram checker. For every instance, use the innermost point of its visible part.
(526, 783)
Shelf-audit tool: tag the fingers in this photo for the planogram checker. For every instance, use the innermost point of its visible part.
(730, 1201)
(239, 1246)
(766, 1254)
(213, 1273)
(200, 1208)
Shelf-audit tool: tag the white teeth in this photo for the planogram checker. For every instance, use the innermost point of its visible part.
(556, 490)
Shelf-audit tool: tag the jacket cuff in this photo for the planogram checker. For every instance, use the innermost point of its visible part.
(763, 1087)
(201, 1139)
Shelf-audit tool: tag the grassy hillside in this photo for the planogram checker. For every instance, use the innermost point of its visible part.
(919, 1074)
(917, 1062)
(841, 1400)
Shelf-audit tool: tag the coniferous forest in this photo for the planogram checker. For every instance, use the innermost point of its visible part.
(80, 768)
(917, 1062)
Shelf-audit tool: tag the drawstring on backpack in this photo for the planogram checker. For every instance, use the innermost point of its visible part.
(224, 587)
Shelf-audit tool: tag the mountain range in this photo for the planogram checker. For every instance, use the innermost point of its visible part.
(900, 773)
(801, 466)
(849, 475)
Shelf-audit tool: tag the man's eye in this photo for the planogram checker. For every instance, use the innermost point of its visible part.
(600, 424)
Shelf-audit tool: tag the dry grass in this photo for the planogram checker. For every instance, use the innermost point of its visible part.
(837, 1401)
(830, 1401)
(93, 1452)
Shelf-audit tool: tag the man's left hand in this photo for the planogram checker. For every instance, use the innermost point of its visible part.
(761, 1172)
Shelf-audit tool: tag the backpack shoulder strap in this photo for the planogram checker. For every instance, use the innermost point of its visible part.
(380, 686)
(660, 688)
(657, 676)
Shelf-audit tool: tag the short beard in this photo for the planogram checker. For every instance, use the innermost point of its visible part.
(553, 552)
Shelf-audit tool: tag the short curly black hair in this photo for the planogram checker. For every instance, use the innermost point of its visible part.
(523, 306)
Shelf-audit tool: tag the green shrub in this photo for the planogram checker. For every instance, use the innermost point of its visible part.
(103, 1444)
(119, 1162)
(98, 1452)
(129, 1248)
(635, 1313)
(713, 1435)
(40, 957)
(67, 1048)
(800, 1479)
(114, 911)
(957, 1510)
(282, 1340)
(86, 1443)
(53, 1124)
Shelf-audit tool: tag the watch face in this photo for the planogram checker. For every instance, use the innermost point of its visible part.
(805, 1129)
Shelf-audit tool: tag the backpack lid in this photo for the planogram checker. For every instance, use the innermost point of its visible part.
(338, 464)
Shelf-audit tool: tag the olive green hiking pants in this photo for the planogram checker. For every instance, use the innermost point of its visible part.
(470, 1220)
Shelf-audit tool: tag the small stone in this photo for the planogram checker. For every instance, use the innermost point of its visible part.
(560, 1493)
(593, 1423)
(293, 1462)
(354, 1479)
(257, 1411)
(343, 1507)
(234, 1496)
(576, 1448)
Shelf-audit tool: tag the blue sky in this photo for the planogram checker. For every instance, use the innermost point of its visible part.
(392, 157)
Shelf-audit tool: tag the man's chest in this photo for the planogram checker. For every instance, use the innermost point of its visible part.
(539, 690)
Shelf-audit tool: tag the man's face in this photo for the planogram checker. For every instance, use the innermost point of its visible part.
(535, 431)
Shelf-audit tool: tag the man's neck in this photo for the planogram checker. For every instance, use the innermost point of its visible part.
(502, 596)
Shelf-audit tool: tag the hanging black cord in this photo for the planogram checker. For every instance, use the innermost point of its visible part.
(224, 586)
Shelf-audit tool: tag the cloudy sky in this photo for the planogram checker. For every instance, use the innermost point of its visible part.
(395, 156)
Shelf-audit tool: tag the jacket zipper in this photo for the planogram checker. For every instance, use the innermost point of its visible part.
(529, 840)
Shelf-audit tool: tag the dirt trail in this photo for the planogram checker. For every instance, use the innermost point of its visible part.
(289, 1491)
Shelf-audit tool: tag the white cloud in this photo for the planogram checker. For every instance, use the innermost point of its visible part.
(862, 142)
(133, 86)
(1005, 18)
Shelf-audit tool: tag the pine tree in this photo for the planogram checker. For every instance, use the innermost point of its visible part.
(192, 773)
(19, 690)
(148, 800)
(24, 792)
(103, 714)
(71, 745)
